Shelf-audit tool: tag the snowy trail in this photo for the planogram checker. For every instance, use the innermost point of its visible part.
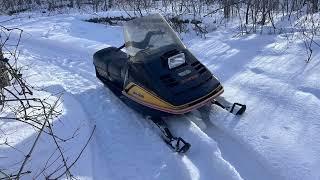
(281, 126)
(120, 131)
(275, 139)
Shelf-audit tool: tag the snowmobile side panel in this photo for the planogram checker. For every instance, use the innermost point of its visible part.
(117, 91)
(151, 100)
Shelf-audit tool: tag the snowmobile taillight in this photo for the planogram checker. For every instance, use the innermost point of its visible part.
(176, 60)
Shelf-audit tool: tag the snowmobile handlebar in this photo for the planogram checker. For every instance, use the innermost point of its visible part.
(145, 42)
(142, 44)
(121, 47)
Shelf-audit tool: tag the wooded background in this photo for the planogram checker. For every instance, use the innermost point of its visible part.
(263, 8)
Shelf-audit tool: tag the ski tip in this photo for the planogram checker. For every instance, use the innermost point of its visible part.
(185, 148)
(242, 110)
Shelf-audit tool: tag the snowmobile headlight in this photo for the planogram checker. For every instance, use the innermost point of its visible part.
(176, 60)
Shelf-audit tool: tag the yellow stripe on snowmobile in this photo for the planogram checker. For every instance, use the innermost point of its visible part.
(145, 97)
(148, 97)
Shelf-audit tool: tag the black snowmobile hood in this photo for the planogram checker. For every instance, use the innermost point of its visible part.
(180, 85)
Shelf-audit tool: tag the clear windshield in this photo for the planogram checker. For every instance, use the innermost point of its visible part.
(149, 33)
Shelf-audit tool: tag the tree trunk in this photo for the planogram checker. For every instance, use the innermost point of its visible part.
(314, 6)
(264, 14)
(78, 4)
(110, 4)
(247, 12)
(38, 2)
(226, 9)
(4, 76)
(71, 3)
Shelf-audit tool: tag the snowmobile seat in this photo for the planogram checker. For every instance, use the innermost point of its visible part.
(112, 61)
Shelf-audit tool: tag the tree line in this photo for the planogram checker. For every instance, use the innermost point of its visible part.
(230, 7)
(253, 15)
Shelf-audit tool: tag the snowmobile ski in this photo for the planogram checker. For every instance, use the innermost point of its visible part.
(235, 108)
(177, 144)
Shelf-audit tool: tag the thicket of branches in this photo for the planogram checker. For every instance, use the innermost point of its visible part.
(18, 104)
(263, 8)
(254, 12)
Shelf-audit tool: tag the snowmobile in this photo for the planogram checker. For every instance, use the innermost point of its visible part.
(158, 76)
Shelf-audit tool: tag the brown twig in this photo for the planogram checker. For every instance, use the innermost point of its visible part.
(36, 140)
(79, 155)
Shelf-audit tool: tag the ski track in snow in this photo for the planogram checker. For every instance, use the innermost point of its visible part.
(269, 142)
(281, 125)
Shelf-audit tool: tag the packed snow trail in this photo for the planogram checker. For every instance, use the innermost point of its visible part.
(269, 74)
(123, 139)
(275, 139)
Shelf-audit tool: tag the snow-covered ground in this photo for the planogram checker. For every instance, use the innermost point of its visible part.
(277, 138)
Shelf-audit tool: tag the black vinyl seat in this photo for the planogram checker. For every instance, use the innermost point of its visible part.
(112, 60)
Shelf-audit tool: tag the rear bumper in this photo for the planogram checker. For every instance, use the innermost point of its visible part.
(182, 109)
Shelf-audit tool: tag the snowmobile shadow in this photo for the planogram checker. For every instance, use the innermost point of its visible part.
(204, 116)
